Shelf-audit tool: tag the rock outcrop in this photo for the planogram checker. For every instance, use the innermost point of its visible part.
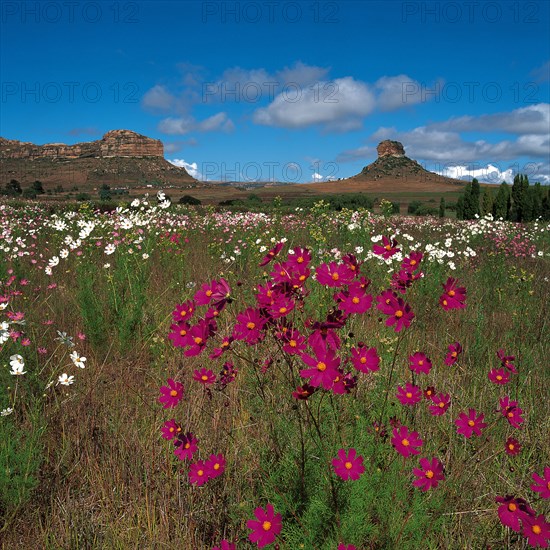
(390, 148)
(117, 143)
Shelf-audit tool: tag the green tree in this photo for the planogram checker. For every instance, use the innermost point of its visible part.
(476, 195)
(13, 188)
(442, 207)
(460, 207)
(501, 206)
(38, 187)
(469, 210)
(105, 192)
(487, 201)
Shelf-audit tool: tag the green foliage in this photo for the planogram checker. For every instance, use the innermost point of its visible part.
(105, 192)
(487, 202)
(442, 207)
(188, 199)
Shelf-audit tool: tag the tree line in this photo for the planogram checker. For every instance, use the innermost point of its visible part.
(519, 202)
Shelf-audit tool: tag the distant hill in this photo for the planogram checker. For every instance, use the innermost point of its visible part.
(120, 158)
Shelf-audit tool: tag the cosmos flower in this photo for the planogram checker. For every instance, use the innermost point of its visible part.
(441, 403)
(452, 356)
(419, 363)
(401, 315)
(365, 359)
(265, 527)
(542, 483)
(406, 443)
(185, 445)
(512, 446)
(409, 395)
(429, 474)
(171, 394)
(348, 465)
(499, 376)
(537, 531)
(512, 511)
(225, 545)
(511, 411)
(334, 274)
(454, 297)
(170, 429)
(205, 376)
(387, 249)
(470, 423)
(65, 380)
(197, 473)
(271, 254)
(506, 361)
(215, 466)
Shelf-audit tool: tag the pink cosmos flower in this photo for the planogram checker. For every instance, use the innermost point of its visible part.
(441, 401)
(365, 359)
(170, 429)
(215, 466)
(409, 395)
(512, 446)
(204, 376)
(354, 300)
(513, 510)
(348, 465)
(454, 297)
(499, 376)
(198, 474)
(281, 307)
(282, 273)
(452, 356)
(469, 424)
(172, 394)
(387, 249)
(323, 367)
(420, 363)
(511, 411)
(300, 258)
(265, 527)
(271, 254)
(204, 295)
(334, 275)
(406, 443)
(225, 545)
(506, 361)
(542, 483)
(183, 312)
(387, 301)
(294, 342)
(429, 474)
(401, 315)
(303, 392)
(222, 294)
(412, 262)
(185, 446)
(537, 531)
(249, 325)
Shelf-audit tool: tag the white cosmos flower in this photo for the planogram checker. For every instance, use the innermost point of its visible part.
(109, 249)
(134, 203)
(53, 261)
(17, 365)
(65, 380)
(6, 412)
(64, 253)
(77, 360)
(145, 256)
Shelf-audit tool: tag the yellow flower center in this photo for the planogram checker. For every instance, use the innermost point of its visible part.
(454, 354)
(283, 310)
(512, 507)
(204, 377)
(510, 414)
(471, 423)
(442, 404)
(209, 293)
(187, 445)
(348, 465)
(405, 442)
(536, 529)
(300, 259)
(444, 302)
(198, 340)
(399, 314)
(429, 474)
(173, 393)
(499, 377)
(388, 301)
(363, 360)
(388, 247)
(413, 262)
(183, 332)
(183, 313)
(302, 278)
(321, 366)
(172, 429)
(335, 276)
(216, 466)
(225, 344)
(511, 446)
(266, 525)
(293, 343)
(420, 363)
(451, 293)
(409, 394)
(250, 325)
(200, 472)
(355, 300)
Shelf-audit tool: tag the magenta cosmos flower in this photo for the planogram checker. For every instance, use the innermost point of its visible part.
(412, 261)
(470, 423)
(225, 545)
(507, 361)
(197, 473)
(429, 474)
(215, 466)
(334, 275)
(452, 356)
(511, 412)
(387, 249)
(542, 484)
(323, 367)
(299, 258)
(419, 363)
(172, 394)
(265, 527)
(365, 359)
(348, 465)
(512, 511)
(441, 402)
(406, 443)
(203, 296)
(271, 254)
(248, 327)
(512, 446)
(499, 376)
(205, 376)
(185, 446)
(293, 342)
(183, 312)
(537, 531)
(409, 395)
(170, 429)
(453, 297)
(401, 315)
(343, 546)
(354, 300)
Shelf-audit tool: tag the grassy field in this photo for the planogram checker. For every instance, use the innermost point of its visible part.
(90, 461)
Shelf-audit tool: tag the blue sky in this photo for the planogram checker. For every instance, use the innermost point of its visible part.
(292, 91)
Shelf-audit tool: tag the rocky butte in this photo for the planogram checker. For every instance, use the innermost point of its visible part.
(119, 158)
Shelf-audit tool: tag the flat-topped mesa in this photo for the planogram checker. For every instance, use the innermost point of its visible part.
(116, 143)
(390, 148)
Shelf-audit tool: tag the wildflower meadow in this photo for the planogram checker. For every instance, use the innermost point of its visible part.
(199, 378)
